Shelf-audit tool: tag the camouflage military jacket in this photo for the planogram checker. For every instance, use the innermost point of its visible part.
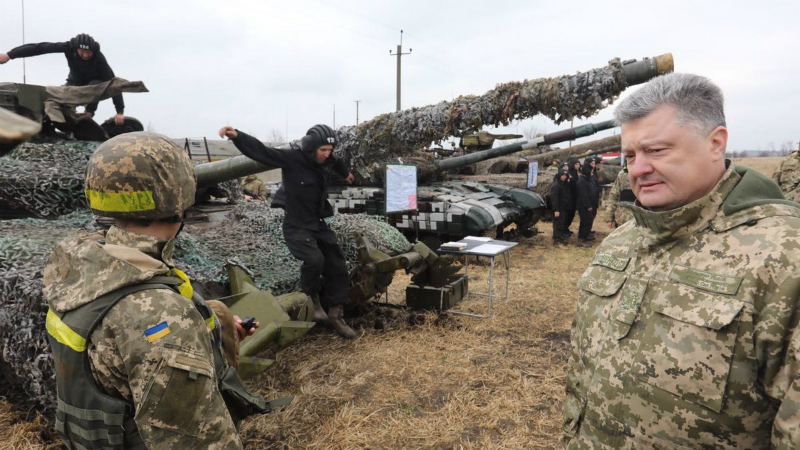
(615, 212)
(788, 176)
(145, 342)
(686, 333)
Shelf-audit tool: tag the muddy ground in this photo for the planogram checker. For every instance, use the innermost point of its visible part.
(430, 382)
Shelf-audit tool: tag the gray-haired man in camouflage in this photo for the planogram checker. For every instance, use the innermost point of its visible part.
(686, 333)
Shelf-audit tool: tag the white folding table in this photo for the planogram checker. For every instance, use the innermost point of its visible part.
(483, 247)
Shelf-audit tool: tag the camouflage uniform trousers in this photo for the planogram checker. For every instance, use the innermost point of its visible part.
(686, 333)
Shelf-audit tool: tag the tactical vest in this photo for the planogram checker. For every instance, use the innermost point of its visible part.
(87, 417)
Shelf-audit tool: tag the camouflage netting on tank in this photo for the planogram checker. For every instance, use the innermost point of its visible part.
(24, 247)
(253, 236)
(559, 98)
(45, 179)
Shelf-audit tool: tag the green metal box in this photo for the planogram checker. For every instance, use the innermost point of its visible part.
(437, 299)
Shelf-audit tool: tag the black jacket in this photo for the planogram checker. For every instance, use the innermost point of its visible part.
(304, 180)
(561, 195)
(597, 190)
(585, 193)
(81, 72)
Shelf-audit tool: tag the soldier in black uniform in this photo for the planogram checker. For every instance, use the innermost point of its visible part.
(574, 167)
(585, 206)
(323, 276)
(87, 65)
(561, 201)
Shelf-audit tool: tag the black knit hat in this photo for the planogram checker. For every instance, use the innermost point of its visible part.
(85, 42)
(317, 136)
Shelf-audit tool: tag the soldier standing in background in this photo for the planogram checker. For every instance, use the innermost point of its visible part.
(573, 167)
(620, 192)
(585, 206)
(597, 190)
(560, 200)
(138, 354)
(87, 65)
(686, 334)
(788, 176)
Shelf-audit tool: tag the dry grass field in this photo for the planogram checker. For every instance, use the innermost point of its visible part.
(422, 381)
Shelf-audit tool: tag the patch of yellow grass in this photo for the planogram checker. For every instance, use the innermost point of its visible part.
(23, 433)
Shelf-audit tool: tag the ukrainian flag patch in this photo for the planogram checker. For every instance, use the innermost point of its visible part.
(155, 333)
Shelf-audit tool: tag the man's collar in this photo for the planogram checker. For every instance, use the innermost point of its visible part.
(149, 245)
(658, 227)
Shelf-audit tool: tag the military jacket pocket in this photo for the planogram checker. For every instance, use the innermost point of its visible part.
(687, 346)
(605, 276)
(181, 396)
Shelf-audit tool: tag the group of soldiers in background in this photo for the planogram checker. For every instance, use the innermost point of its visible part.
(576, 189)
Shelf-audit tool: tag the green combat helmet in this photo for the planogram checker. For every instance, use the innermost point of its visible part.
(140, 176)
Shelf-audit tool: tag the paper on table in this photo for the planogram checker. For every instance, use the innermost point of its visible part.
(489, 249)
(478, 238)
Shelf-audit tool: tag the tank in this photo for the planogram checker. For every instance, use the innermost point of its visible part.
(547, 158)
(450, 209)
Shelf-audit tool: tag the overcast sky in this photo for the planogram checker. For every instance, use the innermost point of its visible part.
(270, 67)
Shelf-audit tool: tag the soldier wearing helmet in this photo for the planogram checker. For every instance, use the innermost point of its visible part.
(138, 354)
(87, 65)
(323, 275)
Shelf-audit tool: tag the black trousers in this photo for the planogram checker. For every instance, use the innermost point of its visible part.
(569, 216)
(323, 271)
(559, 230)
(585, 227)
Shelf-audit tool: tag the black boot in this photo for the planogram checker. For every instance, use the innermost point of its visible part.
(317, 313)
(336, 321)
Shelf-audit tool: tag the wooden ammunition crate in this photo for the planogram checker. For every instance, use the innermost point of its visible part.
(429, 297)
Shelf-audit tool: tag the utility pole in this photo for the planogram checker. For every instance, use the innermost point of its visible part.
(399, 55)
(334, 116)
(357, 102)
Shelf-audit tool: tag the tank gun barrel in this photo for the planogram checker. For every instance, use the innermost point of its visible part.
(547, 139)
(215, 172)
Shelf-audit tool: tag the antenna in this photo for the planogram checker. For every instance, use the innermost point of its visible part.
(24, 71)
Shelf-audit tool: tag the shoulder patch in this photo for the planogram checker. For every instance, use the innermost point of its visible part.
(155, 333)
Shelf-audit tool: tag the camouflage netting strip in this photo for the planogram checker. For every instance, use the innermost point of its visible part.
(559, 98)
(45, 180)
(24, 247)
(252, 234)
